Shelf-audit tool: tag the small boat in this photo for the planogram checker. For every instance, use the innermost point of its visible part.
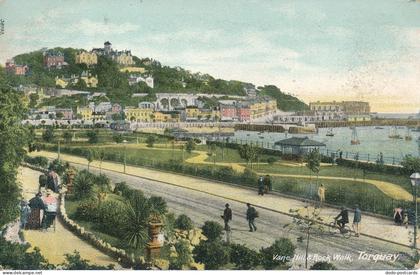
(394, 134)
(378, 127)
(330, 133)
(408, 136)
(354, 138)
(261, 137)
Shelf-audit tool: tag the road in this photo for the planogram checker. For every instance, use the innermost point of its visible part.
(201, 207)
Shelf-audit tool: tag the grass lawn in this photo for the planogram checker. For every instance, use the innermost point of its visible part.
(336, 171)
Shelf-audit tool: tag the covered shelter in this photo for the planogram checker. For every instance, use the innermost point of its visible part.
(298, 145)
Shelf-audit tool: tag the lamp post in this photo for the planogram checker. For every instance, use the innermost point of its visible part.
(415, 181)
(125, 154)
(58, 150)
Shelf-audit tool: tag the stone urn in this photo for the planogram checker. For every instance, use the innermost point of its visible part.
(71, 173)
(154, 245)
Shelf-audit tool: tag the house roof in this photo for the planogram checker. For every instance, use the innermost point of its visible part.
(299, 141)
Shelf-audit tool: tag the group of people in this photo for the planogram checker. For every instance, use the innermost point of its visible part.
(41, 211)
(401, 216)
(264, 185)
(251, 215)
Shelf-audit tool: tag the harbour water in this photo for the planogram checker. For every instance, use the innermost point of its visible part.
(373, 141)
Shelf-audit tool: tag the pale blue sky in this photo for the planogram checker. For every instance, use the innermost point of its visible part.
(323, 49)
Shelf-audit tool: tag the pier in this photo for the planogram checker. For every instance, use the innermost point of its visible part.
(373, 122)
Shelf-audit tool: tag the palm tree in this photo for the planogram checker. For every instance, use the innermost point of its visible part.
(137, 213)
(313, 163)
(101, 157)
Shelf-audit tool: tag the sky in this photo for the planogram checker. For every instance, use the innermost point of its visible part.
(315, 49)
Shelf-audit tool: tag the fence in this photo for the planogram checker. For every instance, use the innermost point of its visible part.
(362, 157)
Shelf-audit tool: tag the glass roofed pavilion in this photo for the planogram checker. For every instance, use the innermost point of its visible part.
(298, 145)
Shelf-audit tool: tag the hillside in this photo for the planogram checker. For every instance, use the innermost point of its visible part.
(166, 79)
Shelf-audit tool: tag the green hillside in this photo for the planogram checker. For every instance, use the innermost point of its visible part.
(166, 79)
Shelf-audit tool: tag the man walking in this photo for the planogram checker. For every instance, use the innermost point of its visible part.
(227, 216)
(356, 220)
(261, 186)
(251, 214)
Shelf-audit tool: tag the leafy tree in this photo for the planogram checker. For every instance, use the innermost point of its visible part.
(243, 257)
(212, 254)
(410, 164)
(90, 156)
(103, 182)
(190, 146)
(92, 136)
(57, 166)
(68, 136)
(183, 222)
(33, 100)
(249, 153)
(313, 162)
(323, 266)
(150, 140)
(184, 255)
(48, 134)
(212, 230)
(59, 115)
(283, 248)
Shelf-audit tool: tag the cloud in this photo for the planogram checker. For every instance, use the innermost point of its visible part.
(88, 27)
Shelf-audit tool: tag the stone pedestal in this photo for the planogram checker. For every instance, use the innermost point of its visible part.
(71, 173)
(154, 245)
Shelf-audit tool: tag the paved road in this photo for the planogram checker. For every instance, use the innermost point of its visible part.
(202, 207)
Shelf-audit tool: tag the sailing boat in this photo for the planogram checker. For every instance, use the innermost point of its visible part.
(408, 136)
(330, 133)
(354, 138)
(394, 133)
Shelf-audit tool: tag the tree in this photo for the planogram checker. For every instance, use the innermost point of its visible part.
(150, 141)
(83, 185)
(59, 115)
(249, 153)
(159, 205)
(243, 257)
(33, 100)
(323, 266)
(67, 135)
(410, 164)
(313, 162)
(92, 136)
(48, 134)
(184, 255)
(90, 156)
(307, 222)
(190, 146)
(137, 214)
(212, 254)
(212, 230)
(278, 255)
(101, 156)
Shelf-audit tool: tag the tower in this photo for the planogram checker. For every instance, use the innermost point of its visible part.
(107, 47)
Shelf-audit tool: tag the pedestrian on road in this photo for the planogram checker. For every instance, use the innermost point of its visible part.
(37, 205)
(267, 184)
(321, 194)
(25, 211)
(50, 211)
(398, 215)
(356, 220)
(261, 186)
(227, 216)
(405, 220)
(251, 214)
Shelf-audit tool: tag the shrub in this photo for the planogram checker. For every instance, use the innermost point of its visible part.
(243, 257)
(322, 266)
(38, 161)
(184, 255)
(57, 166)
(282, 247)
(271, 160)
(121, 187)
(190, 146)
(87, 210)
(184, 222)
(103, 182)
(75, 262)
(150, 140)
(212, 230)
(48, 134)
(112, 217)
(212, 254)
(118, 138)
(92, 136)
